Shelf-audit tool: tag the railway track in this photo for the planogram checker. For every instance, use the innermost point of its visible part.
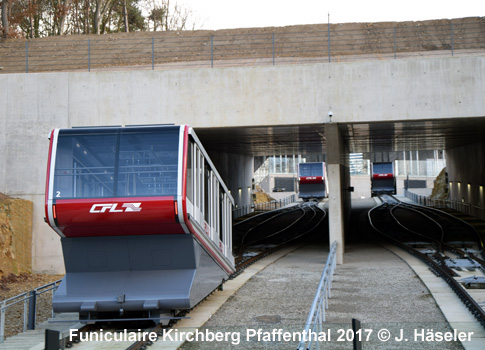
(265, 233)
(255, 238)
(450, 247)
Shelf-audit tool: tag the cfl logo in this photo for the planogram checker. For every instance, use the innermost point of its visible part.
(112, 208)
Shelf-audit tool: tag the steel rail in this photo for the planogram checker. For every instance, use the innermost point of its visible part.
(439, 243)
(441, 214)
(260, 224)
(439, 270)
(293, 223)
(242, 264)
(451, 217)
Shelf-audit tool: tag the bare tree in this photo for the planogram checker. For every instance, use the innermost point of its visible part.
(157, 16)
(125, 17)
(101, 8)
(87, 8)
(168, 15)
(177, 20)
(62, 12)
(5, 23)
(39, 18)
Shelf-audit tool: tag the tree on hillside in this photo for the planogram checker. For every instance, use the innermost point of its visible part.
(5, 25)
(13, 12)
(33, 18)
(125, 17)
(62, 11)
(157, 16)
(101, 7)
(41, 18)
(18, 17)
(135, 19)
(169, 15)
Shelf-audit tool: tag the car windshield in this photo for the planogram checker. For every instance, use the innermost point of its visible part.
(311, 169)
(116, 162)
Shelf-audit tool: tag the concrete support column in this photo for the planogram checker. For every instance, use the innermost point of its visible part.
(338, 183)
(238, 182)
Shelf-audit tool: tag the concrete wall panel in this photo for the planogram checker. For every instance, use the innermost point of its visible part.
(466, 172)
(35, 105)
(46, 245)
(3, 133)
(237, 172)
(117, 98)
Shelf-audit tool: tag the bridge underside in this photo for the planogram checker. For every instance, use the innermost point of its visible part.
(462, 138)
(384, 136)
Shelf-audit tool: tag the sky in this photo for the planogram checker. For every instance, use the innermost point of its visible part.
(226, 14)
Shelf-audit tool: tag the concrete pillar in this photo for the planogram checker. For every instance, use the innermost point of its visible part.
(238, 182)
(338, 182)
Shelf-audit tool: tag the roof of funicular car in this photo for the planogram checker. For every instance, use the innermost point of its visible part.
(143, 127)
(76, 129)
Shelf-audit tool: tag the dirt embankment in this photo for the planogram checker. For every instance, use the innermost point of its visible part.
(16, 262)
(15, 235)
(440, 188)
(261, 197)
(284, 44)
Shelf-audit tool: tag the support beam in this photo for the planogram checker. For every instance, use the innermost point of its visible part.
(338, 182)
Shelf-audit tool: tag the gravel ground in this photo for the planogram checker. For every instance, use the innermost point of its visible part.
(278, 297)
(373, 286)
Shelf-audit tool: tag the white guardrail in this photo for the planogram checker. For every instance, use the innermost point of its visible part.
(316, 317)
(462, 207)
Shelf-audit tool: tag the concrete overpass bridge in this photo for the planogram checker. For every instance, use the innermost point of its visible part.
(422, 103)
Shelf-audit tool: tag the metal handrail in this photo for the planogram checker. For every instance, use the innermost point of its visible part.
(29, 299)
(465, 208)
(4, 305)
(316, 316)
(275, 204)
(266, 206)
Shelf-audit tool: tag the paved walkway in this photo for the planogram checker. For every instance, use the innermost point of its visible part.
(374, 285)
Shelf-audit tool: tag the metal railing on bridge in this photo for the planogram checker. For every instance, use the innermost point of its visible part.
(316, 316)
(257, 46)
